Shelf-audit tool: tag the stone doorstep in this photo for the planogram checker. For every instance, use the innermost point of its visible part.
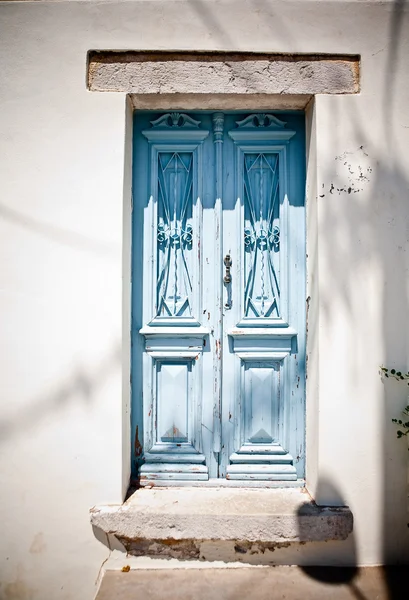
(171, 517)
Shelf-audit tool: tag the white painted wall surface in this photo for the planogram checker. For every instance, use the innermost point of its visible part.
(63, 437)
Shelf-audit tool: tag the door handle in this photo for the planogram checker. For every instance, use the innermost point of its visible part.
(227, 264)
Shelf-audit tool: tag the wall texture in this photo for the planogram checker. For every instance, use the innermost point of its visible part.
(64, 194)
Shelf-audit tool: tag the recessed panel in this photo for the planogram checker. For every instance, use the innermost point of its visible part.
(173, 401)
(261, 401)
(261, 234)
(175, 234)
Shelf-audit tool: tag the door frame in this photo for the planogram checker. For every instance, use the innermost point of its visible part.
(136, 439)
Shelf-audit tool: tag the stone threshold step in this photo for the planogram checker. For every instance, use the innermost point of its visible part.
(168, 516)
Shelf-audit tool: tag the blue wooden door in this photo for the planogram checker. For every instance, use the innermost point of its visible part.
(218, 323)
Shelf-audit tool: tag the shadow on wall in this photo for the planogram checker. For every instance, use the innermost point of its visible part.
(388, 582)
(80, 386)
(332, 575)
(83, 382)
(372, 237)
(59, 235)
(395, 321)
(364, 204)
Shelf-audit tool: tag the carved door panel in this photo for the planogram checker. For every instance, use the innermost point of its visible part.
(218, 297)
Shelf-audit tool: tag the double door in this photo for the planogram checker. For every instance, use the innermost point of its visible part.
(218, 323)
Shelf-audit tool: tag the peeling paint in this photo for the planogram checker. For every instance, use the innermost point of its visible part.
(137, 445)
(357, 175)
(168, 547)
(210, 550)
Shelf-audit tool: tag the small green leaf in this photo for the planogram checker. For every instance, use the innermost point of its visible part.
(393, 371)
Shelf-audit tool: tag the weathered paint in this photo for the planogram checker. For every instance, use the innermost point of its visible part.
(229, 183)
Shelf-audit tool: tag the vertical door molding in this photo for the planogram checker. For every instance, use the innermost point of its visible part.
(218, 139)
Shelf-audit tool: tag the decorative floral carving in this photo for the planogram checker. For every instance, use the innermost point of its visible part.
(174, 232)
(261, 233)
(175, 119)
(264, 239)
(258, 120)
(175, 236)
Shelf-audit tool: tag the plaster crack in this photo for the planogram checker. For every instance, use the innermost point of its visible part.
(104, 561)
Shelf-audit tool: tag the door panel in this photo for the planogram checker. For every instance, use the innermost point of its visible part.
(261, 235)
(174, 339)
(264, 325)
(218, 350)
(175, 234)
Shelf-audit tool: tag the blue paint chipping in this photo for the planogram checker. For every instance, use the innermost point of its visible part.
(218, 297)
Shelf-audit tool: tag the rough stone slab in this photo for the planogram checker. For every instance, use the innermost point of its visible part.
(222, 73)
(270, 583)
(174, 515)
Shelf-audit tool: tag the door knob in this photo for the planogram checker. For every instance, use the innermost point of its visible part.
(227, 263)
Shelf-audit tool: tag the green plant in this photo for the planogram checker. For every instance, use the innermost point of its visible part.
(395, 374)
(403, 424)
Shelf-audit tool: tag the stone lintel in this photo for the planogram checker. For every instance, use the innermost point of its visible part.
(218, 102)
(222, 73)
(166, 517)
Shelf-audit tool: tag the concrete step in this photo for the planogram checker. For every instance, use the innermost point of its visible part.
(256, 583)
(163, 521)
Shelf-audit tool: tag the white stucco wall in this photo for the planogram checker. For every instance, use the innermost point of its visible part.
(64, 183)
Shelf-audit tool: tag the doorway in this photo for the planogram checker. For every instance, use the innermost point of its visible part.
(218, 296)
